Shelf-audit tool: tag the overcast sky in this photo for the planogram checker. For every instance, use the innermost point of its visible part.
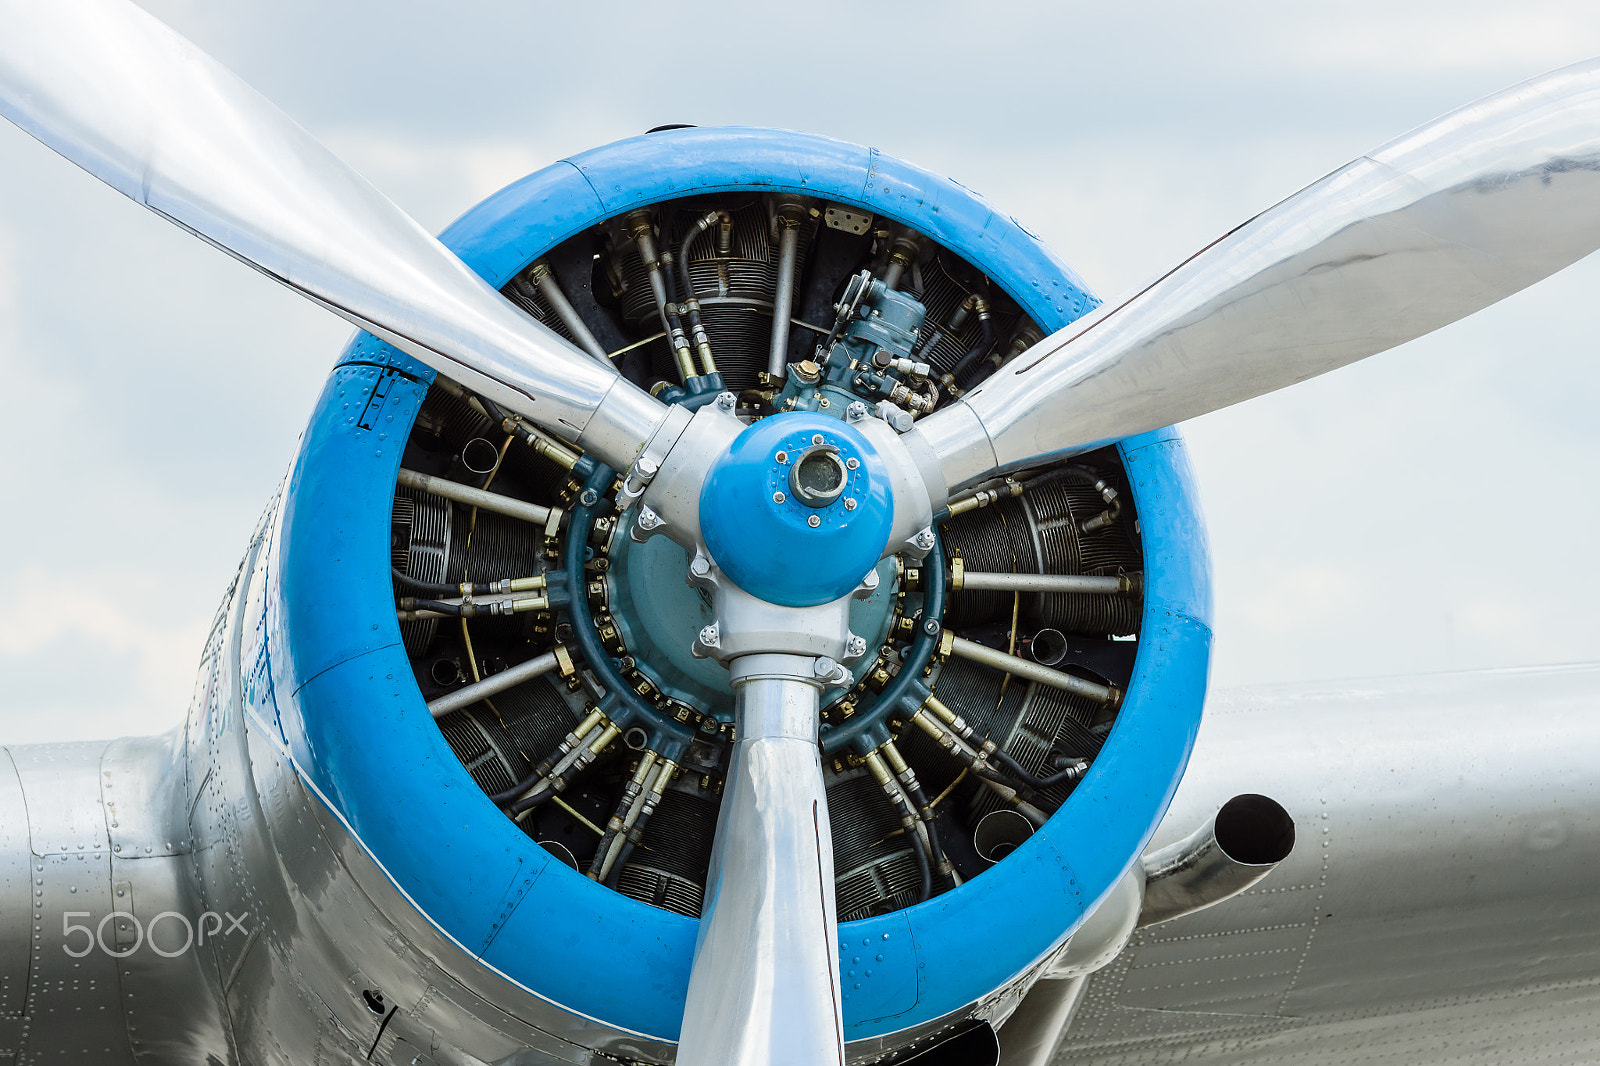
(1431, 509)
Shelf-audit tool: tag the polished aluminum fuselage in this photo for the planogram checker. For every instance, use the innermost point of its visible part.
(1439, 906)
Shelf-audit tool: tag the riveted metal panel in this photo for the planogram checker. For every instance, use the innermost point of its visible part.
(354, 937)
(16, 906)
(74, 1007)
(171, 997)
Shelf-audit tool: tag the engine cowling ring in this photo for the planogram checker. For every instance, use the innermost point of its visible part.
(361, 735)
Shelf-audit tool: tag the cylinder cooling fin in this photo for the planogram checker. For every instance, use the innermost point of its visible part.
(998, 753)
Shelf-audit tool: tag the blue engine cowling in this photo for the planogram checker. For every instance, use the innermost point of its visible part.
(341, 696)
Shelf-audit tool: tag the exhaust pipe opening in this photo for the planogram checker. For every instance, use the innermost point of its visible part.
(1249, 836)
(999, 833)
(1048, 647)
(480, 455)
(1254, 830)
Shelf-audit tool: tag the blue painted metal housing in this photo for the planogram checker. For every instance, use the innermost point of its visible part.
(343, 698)
(763, 537)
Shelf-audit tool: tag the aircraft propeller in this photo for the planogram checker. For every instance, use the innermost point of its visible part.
(1439, 223)
(1432, 227)
(141, 108)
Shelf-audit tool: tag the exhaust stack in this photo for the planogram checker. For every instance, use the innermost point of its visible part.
(1246, 840)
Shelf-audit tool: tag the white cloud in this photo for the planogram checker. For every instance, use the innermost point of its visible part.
(88, 657)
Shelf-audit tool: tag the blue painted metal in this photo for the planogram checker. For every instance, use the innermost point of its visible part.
(867, 729)
(341, 686)
(884, 321)
(761, 535)
(892, 324)
(659, 615)
(624, 707)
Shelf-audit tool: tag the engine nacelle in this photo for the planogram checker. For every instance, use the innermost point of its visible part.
(572, 920)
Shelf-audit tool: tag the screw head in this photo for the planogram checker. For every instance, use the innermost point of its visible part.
(850, 503)
(816, 438)
(782, 457)
(778, 497)
(813, 521)
(853, 463)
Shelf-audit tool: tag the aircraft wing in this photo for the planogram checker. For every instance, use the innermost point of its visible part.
(1440, 904)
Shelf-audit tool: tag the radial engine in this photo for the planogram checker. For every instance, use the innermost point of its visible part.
(502, 685)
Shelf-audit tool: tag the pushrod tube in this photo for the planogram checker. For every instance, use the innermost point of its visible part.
(1110, 585)
(972, 651)
(544, 279)
(488, 501)
(783, 300)
(494, 684)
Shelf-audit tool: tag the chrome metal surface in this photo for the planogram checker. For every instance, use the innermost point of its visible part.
(1439, 907)
(783, 300)
(1090, 583)
(765, 983)
(553, 295)
(1446, 914)
(1241, 844)
(1100, 939)
(999, 833)
(171, 987)
(16, 902)
(147, 112)
(516, 675)
(94, 852)
(489, 501)
(1034, 1030)
(972, 651)
(671, 472)
(1425, 230)
(328, 922)
(749, 628)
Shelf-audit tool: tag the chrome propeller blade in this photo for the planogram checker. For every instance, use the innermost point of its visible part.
(147, 112)
(765, 985)
(1431, 227)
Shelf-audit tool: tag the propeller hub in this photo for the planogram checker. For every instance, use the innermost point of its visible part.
(797, 511)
